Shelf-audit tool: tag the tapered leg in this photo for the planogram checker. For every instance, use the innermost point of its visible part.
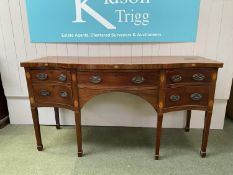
(158, 135)
(78, 132)
(37, 128)
(208, 116)
(188, 118)
(56, 111)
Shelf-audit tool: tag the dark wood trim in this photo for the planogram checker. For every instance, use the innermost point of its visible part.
(36, 123)
(5, 121)
(208, 115)
(154, 62)
(57, 120)
(205, 136)
(77, 111)
(188, 118)
(158, 135)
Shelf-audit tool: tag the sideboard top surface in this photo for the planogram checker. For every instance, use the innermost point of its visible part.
(136, 62)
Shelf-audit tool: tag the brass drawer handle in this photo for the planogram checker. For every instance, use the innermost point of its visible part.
(196, 96)
(176, 78)
(62, 77)
(96, 79)
(138, 79)
(44, 93)
(42, 76)
(174, 98)
(63, 94)
(198, 77)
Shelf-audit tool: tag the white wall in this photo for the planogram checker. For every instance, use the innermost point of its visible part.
(214, 40)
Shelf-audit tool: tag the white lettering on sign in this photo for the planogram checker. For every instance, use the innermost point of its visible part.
(136, 18)
(124, 16)
(83, 6)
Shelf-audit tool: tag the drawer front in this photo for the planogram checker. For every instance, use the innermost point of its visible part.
(53, 94)
(62, 76)
(188, 76)
(189, 95)
(111, 79)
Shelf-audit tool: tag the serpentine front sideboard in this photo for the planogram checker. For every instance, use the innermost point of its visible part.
(167, 83)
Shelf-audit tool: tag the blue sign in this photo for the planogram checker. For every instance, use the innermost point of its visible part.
(113, 20)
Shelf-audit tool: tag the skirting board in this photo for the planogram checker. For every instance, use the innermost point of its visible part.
(115, 109)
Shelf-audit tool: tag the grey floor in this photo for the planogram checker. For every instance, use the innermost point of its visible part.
(114, 150)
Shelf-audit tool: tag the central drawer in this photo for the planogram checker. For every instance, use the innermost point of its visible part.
(111, 79)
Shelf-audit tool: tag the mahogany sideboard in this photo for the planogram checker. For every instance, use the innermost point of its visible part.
(167, 83)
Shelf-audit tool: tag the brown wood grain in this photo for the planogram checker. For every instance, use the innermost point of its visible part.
(187, 75)
(111, 79)
(184, 93)
(114, 63)
(192, 88)
(54, 97)
(52, 75)
(150, 95)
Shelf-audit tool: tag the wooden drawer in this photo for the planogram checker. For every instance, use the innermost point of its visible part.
(188, 76)
(111, 79)
(62, 76)
(189, 95)
(53, 94)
